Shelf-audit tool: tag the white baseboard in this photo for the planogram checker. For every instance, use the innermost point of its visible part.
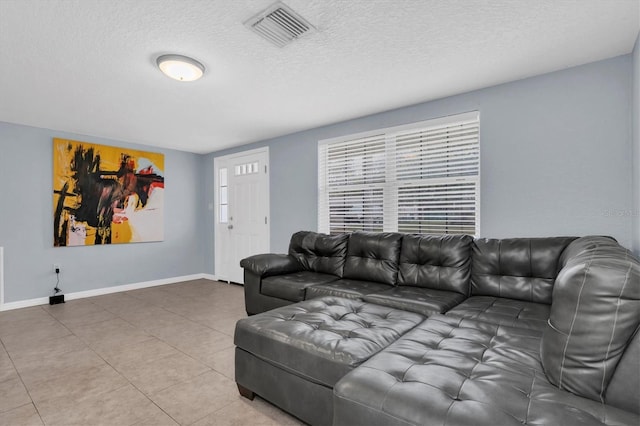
(24, 303)
(106, 290)
(209, 277)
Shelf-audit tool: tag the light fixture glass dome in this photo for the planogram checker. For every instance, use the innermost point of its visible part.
(179, 67)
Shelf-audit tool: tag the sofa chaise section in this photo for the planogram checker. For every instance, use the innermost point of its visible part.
(581, 367)
(446, 373)
(293, 356)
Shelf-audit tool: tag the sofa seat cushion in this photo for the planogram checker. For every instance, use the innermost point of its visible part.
(350, 289)
(443, 372)
(424, 301)
(497, 310)
(322, 339)
(292, 286)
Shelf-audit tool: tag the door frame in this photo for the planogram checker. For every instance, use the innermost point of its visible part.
(218, 163)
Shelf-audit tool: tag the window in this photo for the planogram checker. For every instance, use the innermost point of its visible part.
(246, 169)
(420, 178)
(223, 194)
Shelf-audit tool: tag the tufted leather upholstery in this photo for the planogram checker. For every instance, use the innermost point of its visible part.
(481, 363)
(450, 371)
(319, 252)
(266, 265)
(256, 302)
(624, 386)
(293, 286)
(518, 268)
(373, 257)
(595, 313)
(509, 312)
(424, 301)
(440, 262)
(322, 339)
(350, 289)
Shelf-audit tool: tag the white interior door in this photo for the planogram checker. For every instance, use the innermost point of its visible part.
(242, 211)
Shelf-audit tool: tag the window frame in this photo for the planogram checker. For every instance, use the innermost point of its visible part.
(391, 185)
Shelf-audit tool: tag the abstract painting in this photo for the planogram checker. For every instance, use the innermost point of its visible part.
(106, 195)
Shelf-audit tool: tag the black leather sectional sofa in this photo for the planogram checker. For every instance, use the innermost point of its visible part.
(393, 329)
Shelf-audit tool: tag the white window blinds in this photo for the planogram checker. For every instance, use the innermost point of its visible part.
(421, 178)
(353, 174)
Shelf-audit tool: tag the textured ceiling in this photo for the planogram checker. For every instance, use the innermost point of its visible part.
(87, 66)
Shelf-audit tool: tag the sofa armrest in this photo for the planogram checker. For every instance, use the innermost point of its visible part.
(266, 265)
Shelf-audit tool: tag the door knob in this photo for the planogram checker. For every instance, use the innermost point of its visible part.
(229, 226)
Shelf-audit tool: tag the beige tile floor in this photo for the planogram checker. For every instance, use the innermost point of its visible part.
(156, 356)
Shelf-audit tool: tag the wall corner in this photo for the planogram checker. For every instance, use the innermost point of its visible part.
(635, 123)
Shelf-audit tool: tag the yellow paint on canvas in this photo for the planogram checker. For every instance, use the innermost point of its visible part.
(91, 235)
(109, 157)
(120, 233)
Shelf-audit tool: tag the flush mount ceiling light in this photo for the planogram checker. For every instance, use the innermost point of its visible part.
(179, 67)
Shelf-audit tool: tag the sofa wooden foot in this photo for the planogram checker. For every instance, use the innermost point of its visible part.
(246, 392)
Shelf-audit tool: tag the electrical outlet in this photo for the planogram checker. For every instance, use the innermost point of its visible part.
(57, 268)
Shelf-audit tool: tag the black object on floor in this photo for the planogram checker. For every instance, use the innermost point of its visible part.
(54, 300)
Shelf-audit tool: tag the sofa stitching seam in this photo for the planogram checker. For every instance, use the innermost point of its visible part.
(573, 321)
(613, 332)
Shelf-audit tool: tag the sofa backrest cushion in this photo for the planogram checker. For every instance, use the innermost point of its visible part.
(517, 268)
(373, 257)
(319, 252)
(594, 315)
(440, 262)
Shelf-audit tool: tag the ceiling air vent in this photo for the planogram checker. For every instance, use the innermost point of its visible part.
(279, 24)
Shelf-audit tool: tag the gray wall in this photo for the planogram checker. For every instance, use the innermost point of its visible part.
(555, 156)
(556, 160)
(635, 110)
(26, 224)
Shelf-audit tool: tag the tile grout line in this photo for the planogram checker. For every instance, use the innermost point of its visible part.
(104, 360)
(197, 294)
(177, 313)
(148, 396)
(23, 383)
(179, 350)
(87, 346)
